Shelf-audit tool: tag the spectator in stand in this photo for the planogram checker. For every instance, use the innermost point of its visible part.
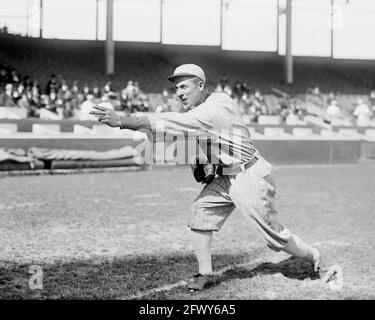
(43, 101)
(223, 80)
(35, 94)
(330, 98)
(363, 114)
(140, 101)
(165, 95)
(77, 99)
(127, 95)
(258, 96)
(254, 113)
(372, 102)
(292, 118)
(15, 79)
(137, 91)
(52, 102)
(299, 110)
(313, 95)
(245, 103)
(64, 88)
(133, 98)
(60, 109)
(160, 108)
(333, 112)
(258, 101)
(284, 111)
(52, 85)
(85, 91)
(105, 101)
(86, 107)
(245, 88)
(316, 91)
(223, 85)
(17, 93)
(64, 101)
(27, 83)
(219, 88)
(96, 92)
(34, 104)
(130, 90)
(4, 78)
(35, 89)
(67, 97)
(107, 89)
(60, 80)
(75, 88)
(124, 100)
(237, 91)
(21, 88)
(6, 98)
(23, 102)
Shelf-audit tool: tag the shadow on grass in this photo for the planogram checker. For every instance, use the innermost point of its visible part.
(126, 276)
(103, 279)
(293, 268)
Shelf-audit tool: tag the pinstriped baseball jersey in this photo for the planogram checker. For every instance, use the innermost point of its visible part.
(217, 117)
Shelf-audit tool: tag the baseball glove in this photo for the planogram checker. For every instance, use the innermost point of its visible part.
(204, 173)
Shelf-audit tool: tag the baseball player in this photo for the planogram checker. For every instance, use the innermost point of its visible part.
(244, 181)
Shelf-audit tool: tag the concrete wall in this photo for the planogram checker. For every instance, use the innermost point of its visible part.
(281, 150)
(276, 151)
(310, 151)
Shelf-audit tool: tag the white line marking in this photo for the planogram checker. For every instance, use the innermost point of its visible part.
(181, 283)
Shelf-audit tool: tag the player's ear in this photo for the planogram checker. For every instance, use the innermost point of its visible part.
(201, 85)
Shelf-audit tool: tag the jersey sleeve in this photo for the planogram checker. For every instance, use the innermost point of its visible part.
(170, 122)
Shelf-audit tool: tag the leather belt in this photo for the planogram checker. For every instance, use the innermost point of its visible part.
(241, 168)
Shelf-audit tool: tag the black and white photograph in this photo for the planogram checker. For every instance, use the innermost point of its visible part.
(208, 151)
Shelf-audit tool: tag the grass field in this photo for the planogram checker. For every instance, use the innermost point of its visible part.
(122, 235)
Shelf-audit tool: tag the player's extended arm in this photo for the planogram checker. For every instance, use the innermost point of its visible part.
(163, 122)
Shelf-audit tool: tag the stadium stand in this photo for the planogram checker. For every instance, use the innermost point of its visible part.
(277, 114)
(151, 63)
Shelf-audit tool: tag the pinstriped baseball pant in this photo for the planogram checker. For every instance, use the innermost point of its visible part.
(253, 193)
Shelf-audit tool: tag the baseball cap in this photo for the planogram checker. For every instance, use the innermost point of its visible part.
(188, 69)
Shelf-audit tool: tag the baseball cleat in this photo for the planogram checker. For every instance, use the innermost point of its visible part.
(201, 281)
(333, 277)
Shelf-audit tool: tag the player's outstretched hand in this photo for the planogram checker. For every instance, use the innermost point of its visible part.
(107, 116)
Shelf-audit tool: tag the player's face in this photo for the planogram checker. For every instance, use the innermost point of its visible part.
(189, 90)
